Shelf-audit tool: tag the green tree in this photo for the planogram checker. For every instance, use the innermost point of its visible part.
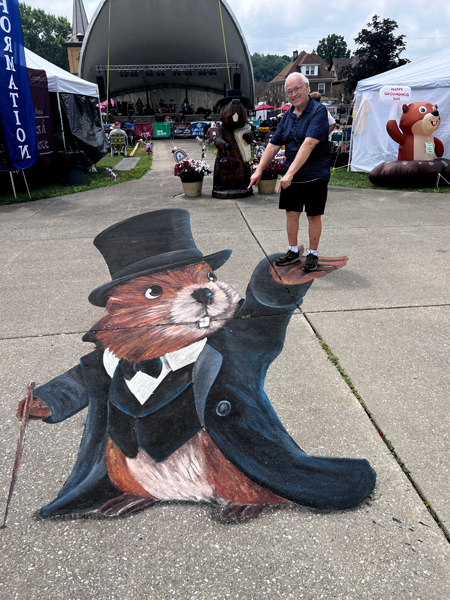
(266, 67)
(44, 34)
(333, 46)
(378, 51)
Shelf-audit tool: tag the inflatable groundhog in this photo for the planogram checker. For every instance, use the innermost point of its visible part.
(233, 141)
(418, 123)
(175, 385)
(417, 165)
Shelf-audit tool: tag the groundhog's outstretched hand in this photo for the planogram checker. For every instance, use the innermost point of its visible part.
(38, 409)
(295, 275)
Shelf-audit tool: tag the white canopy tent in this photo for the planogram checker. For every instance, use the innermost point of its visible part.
(78, 105)
(429, 80)
(60, 80)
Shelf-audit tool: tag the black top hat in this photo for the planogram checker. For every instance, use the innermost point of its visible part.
(148, 243)
(233, 95)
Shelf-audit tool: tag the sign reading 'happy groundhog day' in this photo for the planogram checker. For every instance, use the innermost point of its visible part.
(392, 94)
(17, 114)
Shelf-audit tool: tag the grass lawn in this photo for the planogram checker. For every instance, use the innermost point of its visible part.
(92, 180)
(340, 177)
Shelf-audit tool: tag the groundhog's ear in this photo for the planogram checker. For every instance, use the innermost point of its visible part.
(405, 107)
(114, 304)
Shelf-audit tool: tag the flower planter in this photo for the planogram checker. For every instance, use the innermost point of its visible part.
(192, 188)
(267, 186)
(191, 172)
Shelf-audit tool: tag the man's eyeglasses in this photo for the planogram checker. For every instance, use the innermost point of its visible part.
(295, 90)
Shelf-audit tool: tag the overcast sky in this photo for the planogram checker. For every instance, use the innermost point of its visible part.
(272, 27)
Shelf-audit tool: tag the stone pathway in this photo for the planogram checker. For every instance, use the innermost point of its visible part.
(127, 163)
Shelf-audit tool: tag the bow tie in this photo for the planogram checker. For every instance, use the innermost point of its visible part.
(151, 367)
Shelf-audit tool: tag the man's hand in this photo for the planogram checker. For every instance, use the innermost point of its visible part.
(266, 158)
(38, 409)
(294, 274)
(255, 178)
(285, 182)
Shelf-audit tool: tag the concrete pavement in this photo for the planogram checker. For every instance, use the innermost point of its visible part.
(385, 318)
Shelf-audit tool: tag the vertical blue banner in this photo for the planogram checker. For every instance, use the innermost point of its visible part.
(17, 111)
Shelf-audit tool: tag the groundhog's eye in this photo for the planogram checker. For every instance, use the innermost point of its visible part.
(422, 109)
(212, 276)
(153, 292)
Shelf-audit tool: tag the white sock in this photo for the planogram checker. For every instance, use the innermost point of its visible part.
(294, 248)
(313, 252)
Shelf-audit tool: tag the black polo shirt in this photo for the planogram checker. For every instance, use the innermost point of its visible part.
(292, 131)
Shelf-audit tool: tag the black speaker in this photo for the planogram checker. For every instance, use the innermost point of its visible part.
(236, 81)
(101, 86)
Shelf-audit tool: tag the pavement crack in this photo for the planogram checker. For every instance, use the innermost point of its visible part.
(29, 218)
(267, 257)
(343, 310)
(162, 324)
(334, 359)
(41, 335)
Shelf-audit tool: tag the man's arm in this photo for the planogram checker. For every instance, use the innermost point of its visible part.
(268, 156)
(331, 123)
(302, 156)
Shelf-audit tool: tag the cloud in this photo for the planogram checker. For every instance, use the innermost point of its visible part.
(300, 25)
(272, 28)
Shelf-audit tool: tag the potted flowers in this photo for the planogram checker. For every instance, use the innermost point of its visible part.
(269, 176)
(191, 173)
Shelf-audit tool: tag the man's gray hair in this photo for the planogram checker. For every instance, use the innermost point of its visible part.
(304, 79)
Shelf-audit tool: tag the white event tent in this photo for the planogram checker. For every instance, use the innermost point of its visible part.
(60, 80)
(63, 82)
(429, 80)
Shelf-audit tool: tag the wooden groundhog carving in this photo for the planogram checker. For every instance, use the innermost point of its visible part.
(233, 141)
(174, 386)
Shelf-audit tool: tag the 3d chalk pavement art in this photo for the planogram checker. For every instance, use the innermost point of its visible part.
(174, 387)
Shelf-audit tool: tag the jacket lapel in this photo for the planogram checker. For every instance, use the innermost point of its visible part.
(206, 368)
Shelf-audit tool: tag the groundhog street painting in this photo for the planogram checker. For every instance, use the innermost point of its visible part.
(175, 385)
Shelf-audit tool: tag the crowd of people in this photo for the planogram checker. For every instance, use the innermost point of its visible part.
(139, 109)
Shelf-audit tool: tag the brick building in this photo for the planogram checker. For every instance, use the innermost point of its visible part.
(313, 67)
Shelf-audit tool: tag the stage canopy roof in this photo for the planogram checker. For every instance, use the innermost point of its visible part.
(161, 48)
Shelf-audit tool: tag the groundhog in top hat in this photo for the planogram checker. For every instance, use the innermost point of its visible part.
(175, 385)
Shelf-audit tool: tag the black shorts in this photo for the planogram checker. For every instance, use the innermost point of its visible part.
(308, 196)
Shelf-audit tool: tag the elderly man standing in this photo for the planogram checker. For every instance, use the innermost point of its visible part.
(304, 131)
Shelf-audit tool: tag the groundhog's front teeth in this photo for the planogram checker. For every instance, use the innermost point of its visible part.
(235, 117)
(204, 322)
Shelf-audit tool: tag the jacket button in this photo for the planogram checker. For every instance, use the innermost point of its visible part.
(223, 408)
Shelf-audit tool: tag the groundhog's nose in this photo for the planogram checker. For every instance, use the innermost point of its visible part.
(235, 101)
(435, 113)
(203, 295)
